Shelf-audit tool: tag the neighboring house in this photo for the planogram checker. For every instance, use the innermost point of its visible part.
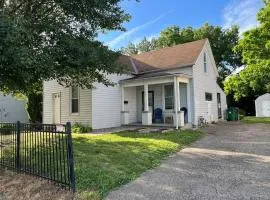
(262, 104)
(179, 81)
(12, 110)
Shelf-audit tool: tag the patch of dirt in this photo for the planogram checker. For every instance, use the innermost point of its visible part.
(19, 186)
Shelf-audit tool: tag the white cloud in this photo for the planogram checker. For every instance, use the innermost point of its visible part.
(242, 13)
(127, 35)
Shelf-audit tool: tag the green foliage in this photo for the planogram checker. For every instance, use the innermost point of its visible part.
(34, 107)
(255, 48)
(222, 42)
(44, 40)
(33, 97)
(105, 162)
(7, 129)
(80, 128)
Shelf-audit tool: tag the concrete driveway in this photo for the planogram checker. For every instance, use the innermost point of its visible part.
(231, 162)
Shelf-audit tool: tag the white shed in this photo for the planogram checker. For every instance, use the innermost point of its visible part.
(262, 104)
(12, 110)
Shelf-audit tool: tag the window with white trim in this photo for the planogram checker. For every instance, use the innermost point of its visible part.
(169, 98)
(204, 62)
(74, 100)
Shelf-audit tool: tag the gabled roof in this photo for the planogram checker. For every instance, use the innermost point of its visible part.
(181, 55)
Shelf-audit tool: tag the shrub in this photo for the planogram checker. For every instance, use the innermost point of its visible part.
(7, 129)
(80, 128)
(242, 113)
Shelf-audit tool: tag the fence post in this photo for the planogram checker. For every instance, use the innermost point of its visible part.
(70, 157)
(18, 133)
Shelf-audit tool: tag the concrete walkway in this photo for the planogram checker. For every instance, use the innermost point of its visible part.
(231, 162)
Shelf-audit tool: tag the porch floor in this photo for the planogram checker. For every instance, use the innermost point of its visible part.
(152, 125)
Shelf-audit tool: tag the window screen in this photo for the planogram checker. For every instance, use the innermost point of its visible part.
(169, 98)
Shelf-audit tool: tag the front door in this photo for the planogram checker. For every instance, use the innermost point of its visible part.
(150, 102)
(219, 105)
(56, 108)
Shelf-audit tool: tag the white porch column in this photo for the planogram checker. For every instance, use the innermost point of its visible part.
(124, 113)
(176, 100)
(122, 98)
(146, 114)
(189, 100)
(146, 103)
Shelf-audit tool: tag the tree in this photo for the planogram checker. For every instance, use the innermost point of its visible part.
(255, 48)
(147, 45)
(169, 37)
(53, 39)
(222, 42)
(130, 49)
(143, 46)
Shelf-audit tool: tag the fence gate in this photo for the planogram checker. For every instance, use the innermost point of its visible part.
(43, 150)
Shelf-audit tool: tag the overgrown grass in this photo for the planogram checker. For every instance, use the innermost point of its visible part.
(254, 120)
(105, 162)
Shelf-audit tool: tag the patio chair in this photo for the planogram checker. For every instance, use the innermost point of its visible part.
(158, 115)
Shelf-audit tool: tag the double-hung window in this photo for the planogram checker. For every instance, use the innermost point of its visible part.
(74, 100)
(204, 62)
(169, 98)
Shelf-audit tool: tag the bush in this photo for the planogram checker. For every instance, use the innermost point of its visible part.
(242, 113)
(80, 128)
(7, 129)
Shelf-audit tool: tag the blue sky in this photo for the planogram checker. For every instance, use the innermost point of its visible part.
(149, 17)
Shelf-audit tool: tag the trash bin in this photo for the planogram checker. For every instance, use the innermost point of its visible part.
(232, 114)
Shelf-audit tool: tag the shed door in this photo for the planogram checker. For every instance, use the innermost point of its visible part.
(56, 108)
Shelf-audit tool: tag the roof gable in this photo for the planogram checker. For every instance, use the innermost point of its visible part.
(181, 55)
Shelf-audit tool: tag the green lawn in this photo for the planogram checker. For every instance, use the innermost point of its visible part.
(253, 120)
(105, 162)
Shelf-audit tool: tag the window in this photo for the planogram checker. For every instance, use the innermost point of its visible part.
(204, 62)
(74, 100)
(208, 96)
(169, 98)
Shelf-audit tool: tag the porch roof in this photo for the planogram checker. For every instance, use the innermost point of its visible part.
(155, 75)
(157, 78)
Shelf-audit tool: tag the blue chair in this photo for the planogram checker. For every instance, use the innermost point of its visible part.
(158, 115)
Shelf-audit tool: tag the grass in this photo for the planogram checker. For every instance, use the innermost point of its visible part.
(105, 162)
(254, 120)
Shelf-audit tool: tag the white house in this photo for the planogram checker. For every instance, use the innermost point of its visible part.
(182, 77)
(12, 110)
(262, 104)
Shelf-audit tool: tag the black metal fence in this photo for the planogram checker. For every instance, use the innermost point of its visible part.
(44, 150)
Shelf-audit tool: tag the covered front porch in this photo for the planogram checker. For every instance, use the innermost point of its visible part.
(163, 100)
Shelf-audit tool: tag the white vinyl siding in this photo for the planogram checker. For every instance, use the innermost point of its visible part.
(107, 103)
(205, 83)
(85, 104)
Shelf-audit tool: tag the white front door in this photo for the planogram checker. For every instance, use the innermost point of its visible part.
(56, 108)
